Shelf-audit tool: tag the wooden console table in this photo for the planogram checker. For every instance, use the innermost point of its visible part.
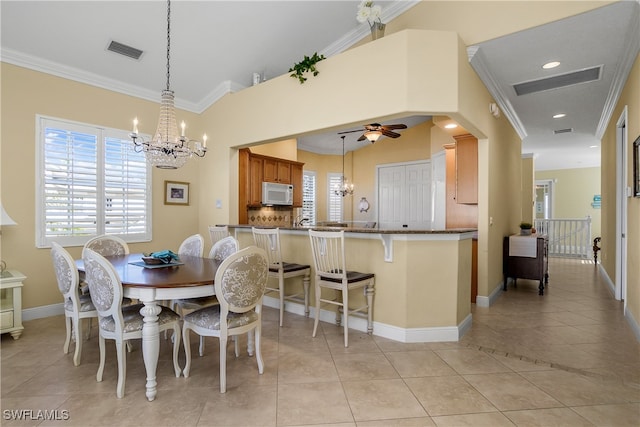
(520, 267)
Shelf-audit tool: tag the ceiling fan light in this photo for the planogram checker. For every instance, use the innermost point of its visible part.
(372, 135)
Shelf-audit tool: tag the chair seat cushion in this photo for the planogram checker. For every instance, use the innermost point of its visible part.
(209, 318)
(84, 303)
(196, 303)
(352, 276)
(133, 320)
(289, 267)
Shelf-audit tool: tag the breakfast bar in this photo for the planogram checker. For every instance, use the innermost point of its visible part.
(423, 277)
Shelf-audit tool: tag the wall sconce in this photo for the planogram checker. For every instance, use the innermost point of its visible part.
(363, 205)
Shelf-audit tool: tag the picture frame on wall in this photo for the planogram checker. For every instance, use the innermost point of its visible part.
(176, 193)
(636, 167)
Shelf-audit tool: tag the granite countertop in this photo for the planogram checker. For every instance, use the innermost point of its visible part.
(363, 230)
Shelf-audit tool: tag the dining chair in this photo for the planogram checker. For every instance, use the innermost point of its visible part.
(331, 272)
(117, 322)
(192, 246)
(77, 306)
(105, 245)
(240, 283)
(269, 240)
(219, 252)
(218, 232)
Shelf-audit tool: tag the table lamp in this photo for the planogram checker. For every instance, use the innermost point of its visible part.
(5, 219)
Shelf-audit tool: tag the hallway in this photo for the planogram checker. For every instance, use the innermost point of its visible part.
(567, 358)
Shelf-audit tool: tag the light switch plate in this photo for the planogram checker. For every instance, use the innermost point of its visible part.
(218, 204)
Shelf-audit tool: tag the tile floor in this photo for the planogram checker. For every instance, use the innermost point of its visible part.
(567, 358)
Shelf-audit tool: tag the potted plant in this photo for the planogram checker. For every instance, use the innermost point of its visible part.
(525, 228)
(308, 64)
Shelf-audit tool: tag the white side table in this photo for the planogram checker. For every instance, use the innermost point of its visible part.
(11, 303)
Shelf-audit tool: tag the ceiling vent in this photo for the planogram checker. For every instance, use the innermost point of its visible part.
(561, 80)
(559, 131)
(125, 50)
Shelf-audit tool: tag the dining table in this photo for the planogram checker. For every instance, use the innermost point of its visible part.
(190, 277)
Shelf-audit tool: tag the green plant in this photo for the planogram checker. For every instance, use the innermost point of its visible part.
(308, 64)
(526, 225)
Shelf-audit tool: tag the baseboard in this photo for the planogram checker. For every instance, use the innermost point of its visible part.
(607, 279)
(42, 311)
(633, 323)
(491, 299)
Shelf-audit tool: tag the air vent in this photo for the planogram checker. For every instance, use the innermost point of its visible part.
(559, 131)
(125, 50)
(562, 80)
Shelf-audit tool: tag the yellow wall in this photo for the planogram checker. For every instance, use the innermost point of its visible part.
(528, 186)
(573, 194)
(630, 98)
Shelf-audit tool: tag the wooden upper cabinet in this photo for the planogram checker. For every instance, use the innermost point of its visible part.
(276, 170)
(256, 167)
(296, 180)
(466, 169)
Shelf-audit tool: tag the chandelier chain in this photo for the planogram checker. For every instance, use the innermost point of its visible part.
(168, 42)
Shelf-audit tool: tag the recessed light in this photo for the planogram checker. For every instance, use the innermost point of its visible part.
(559, 115)
(451, 126)
(552, 64)
(593, 146)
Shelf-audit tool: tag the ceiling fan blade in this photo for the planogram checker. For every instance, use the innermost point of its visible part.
(350, 131)
(362, 138)
(390, 134)
(398, 126)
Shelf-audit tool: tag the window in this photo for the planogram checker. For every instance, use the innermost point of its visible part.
(309, 196)
(90, 182)
(334, 207)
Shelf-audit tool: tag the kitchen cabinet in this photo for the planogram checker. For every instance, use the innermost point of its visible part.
(275, 170)
(296, 180)
(458, 215)
(466, 169)
(256, 176)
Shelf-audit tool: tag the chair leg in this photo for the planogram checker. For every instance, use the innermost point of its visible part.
(201, 347)
(122, 368)
(89, 321)
(77, 330)
(258, 340)
(223, 364)
(281, 291)
(176, 349)
(187, 352)
(306, 283)
(67, 340)
(317, 319)
(345, 311)
(370, 291)
(102, 358)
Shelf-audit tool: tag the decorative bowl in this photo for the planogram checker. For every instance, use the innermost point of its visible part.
(149, 260)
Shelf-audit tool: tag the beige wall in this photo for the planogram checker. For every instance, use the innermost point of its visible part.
(573, 192)
(528, 188)
(630, 98)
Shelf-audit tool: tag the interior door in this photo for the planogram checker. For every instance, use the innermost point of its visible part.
(391, 196)
(404, 196)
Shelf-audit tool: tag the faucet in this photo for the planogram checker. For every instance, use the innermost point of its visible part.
(299, 221)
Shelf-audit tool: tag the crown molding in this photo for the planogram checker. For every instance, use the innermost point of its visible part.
(479, 64)
(630, 52)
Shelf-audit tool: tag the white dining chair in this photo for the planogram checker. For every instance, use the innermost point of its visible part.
(240, 283)
(77, 306)
(107, 245)
(192, 246)
(121, 323)
(329, 259)
(218, 232)
(269, 240)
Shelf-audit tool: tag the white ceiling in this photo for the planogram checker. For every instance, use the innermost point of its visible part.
(216, 46)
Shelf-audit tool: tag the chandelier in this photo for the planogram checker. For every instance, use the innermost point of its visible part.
(344, 188)
(168, 149)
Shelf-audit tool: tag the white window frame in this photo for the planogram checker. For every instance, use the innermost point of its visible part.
(309, 196)
(102, 174)
(335, 203)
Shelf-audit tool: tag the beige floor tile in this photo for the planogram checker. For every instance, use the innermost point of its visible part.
(364, 366)
(448, 395)
(547, 417)
(381, 399)
(510, 392)
(419, 364)
(249, 406)
(492, 419)
(401, 422)
(624, 415)
(312, 403)
(467, 361)
(305, 367)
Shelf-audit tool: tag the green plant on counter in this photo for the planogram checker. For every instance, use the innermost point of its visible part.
(526, 225)
(308, 64)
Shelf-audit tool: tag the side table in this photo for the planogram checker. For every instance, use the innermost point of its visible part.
(11, 303)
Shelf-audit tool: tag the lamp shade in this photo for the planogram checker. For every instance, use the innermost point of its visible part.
(5, 219)
(373, 135)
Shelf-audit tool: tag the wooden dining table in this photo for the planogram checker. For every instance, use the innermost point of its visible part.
(149, 284)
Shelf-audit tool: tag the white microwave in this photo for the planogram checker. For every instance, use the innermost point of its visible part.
(277, 194)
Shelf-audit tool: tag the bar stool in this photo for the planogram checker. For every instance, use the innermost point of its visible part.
(331, 272)
(269, 240)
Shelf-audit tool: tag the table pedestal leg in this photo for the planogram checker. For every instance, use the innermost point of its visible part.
(150, 345)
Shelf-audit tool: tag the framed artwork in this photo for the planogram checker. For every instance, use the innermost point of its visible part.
(636, 167)
(176, 193)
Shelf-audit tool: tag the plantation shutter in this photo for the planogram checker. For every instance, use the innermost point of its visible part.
(334, 206)
(309, 196)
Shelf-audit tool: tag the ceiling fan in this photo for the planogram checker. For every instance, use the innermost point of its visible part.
(374, 131)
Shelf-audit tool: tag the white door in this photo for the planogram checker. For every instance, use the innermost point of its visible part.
(438, 191)
(404, 196)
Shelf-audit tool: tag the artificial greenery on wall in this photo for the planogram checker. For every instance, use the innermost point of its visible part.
(308, 64)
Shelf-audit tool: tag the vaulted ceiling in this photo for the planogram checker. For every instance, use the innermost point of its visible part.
(217, 46)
